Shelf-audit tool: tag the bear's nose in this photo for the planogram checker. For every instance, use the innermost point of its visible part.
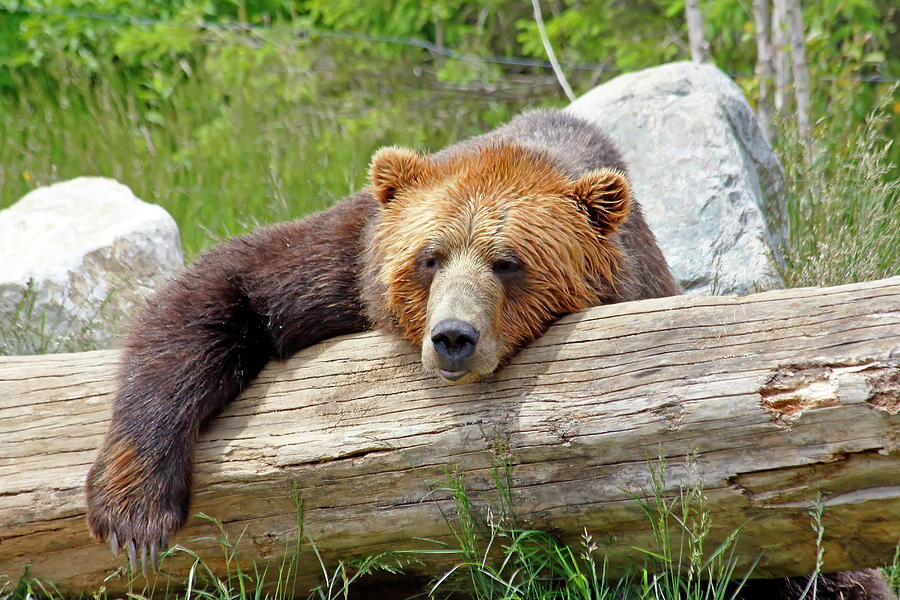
(454, 339)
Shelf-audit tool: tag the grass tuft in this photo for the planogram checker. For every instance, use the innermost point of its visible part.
(843, 204)
(26, 328)
(892, 573)
(500, 560)
(256, 136)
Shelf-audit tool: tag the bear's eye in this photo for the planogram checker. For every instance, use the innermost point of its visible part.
(507, 267)
(427, 264)
(429, 261)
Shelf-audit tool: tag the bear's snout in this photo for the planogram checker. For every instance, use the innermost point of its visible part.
(454, 341)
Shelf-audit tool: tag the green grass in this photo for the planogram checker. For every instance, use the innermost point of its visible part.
(225, 153)
(892, 573)
(224, 163)
(494, 557)
(501, 560)
(843, 205)
(29, 330)
(238, 581)
(259, 135)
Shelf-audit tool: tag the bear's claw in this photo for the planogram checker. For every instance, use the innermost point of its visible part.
(132, 556)
(135, 514)
(149, 553)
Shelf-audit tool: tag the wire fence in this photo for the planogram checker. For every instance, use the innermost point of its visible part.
(263, 32)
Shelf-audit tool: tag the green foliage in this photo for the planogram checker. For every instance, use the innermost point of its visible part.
(238, 581)
(622, 36)
(258, 133)
(892, 573)
(844, 39)
(681, 567)
(30, 588)
(373, 66)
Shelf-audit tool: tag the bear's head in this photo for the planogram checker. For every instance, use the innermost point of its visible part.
(474, 255)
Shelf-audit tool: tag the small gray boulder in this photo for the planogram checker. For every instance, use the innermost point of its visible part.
(702, 170)
(76, 260)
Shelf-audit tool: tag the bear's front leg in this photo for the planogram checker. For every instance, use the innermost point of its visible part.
(194, 348)
(201, 339)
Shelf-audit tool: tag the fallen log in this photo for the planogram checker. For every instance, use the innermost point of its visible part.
(782, 398)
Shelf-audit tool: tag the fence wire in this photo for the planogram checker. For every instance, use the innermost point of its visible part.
(312, 32)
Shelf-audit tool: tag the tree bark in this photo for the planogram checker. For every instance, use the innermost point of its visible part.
(780, 55)
(781, 398)
(764, 69)
(800, 70)
(696, 38)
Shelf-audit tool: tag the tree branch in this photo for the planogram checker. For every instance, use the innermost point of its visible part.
(551, 56)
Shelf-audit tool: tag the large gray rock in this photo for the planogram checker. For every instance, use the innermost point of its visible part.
(701, 168)
(76, 259)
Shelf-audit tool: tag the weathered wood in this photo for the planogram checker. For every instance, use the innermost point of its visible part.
(782, 396)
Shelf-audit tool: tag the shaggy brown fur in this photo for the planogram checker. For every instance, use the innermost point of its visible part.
(495, 202)
(205, 335)
(549, 150)
(548, 189)
(199, 341)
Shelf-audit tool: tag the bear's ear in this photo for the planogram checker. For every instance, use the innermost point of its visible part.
(393, 169)
(606, 195)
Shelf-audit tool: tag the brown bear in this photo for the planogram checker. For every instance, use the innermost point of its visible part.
(469, 253)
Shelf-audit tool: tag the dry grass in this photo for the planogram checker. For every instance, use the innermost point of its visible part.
(843, 209)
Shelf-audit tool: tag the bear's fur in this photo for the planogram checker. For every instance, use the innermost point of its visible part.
(502, 233)
(541, 209)
(863, 584)
(548, 191)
